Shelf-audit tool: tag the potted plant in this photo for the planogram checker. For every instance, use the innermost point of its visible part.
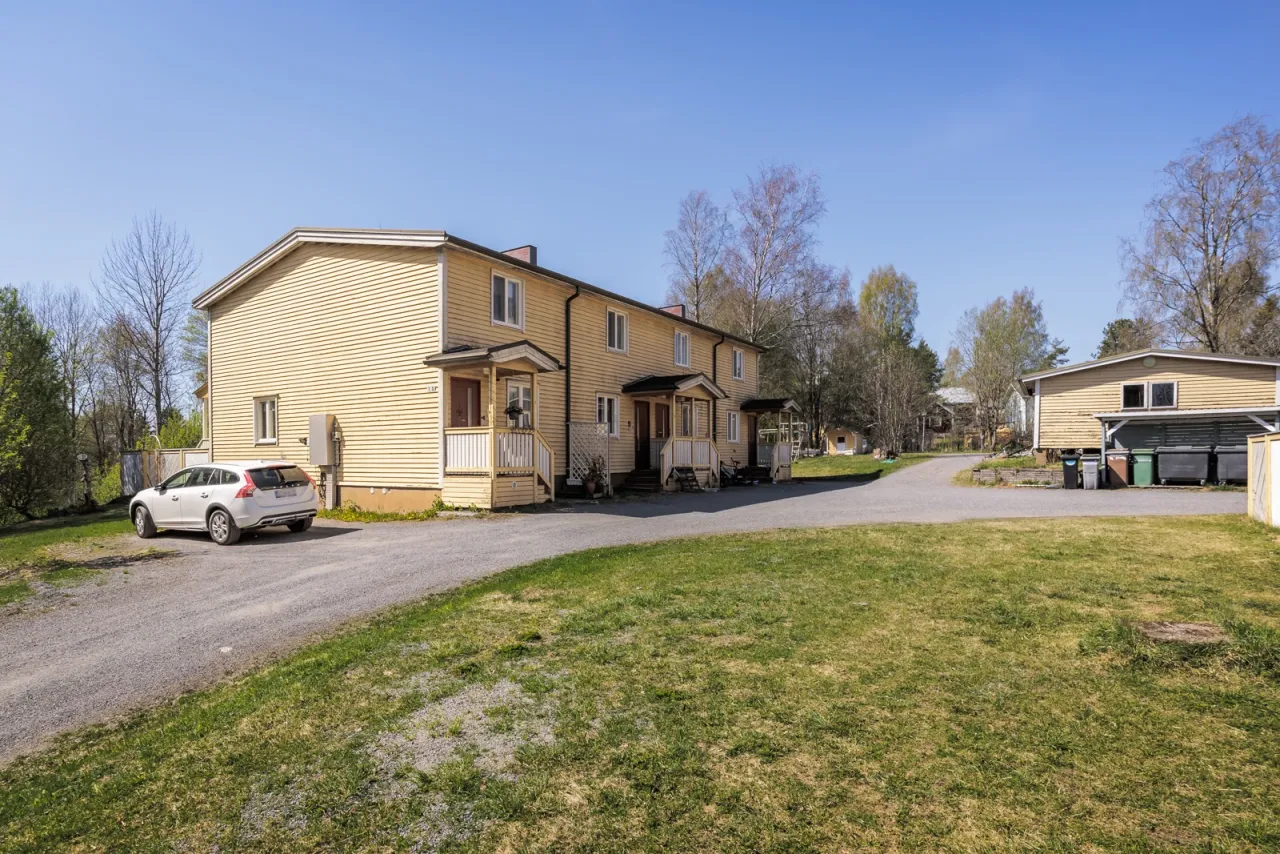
(595, 476)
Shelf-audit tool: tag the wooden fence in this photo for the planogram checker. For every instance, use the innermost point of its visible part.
(141, 470)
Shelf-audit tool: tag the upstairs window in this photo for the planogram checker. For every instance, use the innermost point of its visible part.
(739, 364)
(1134, 396)
(1164, 395)
(616, 339)
(682, 349)
(264, 421)
(508, 301)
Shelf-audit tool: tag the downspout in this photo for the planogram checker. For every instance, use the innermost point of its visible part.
(568, 362)
(715, 378)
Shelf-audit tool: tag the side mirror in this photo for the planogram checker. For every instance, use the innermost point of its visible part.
(161, 489)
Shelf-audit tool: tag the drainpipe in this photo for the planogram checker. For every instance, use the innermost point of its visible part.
(716, 379)
(568, 362)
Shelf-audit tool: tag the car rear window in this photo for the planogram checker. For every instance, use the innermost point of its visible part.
(277, 477)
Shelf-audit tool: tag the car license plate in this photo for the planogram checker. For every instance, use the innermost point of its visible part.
(286, 493)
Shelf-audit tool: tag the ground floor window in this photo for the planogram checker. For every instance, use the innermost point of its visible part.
(264, 421)
(607, 413)
(520, 393)
(734, 427)
(688, 418)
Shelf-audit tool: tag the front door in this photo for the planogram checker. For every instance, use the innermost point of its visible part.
(642, 434)
(752, 449)
(464, 402)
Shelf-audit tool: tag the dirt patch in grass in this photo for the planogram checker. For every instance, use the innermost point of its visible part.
(48, 571)
(1195, 633)
(484, 725)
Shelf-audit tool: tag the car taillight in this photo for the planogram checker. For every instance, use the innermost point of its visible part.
(308, 477)
(246, 491)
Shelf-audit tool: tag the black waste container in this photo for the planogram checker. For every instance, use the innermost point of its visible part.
(1070, 471)
(1183, 462)
(1233, 463)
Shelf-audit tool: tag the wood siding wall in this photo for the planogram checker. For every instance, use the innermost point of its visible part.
(595, 369)
(341, 330)
(1068, 402)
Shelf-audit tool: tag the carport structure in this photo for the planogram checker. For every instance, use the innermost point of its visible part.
(1152, 428)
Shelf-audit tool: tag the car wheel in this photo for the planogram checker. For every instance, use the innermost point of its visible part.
(301, 525)
(142, 523)
(222, 528)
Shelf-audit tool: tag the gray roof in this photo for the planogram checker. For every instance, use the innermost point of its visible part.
(954, 394)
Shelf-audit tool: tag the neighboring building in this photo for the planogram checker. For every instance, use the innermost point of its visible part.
(1150, 398)
(953, 413)
(843, 441)
(456, 371)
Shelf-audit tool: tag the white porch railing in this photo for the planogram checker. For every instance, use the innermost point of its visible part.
(781, 460)
(546, 465)
(466, 450)
(682, 453)
(515, 450)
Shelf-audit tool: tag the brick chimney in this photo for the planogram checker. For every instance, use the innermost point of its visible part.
(527, 253)
(677, 310)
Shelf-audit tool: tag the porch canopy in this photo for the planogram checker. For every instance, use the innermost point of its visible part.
(675, 384)
(522, 356)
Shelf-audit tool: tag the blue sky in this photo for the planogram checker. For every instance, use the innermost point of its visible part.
(977, 150)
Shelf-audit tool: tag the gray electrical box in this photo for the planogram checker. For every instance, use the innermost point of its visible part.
(320, 429)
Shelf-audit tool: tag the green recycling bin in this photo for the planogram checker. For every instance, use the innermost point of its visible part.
(1144, 467)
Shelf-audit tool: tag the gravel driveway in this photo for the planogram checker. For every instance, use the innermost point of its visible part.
(178, 624)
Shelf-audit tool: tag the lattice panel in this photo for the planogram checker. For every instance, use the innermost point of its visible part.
(587, 441)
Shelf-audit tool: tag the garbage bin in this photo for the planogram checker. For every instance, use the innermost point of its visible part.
(1089, 465)
(1118, 466)
(1070, 471)
(1144, 467)
(1183, 462)
(1233, 464)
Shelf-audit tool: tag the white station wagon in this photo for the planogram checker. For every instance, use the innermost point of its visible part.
(226, 499)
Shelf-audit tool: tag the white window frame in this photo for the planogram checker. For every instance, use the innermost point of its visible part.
(1151, 404)
(693, 419)
(682, 337)
(615, 428)
(625, 328)
(733, 428)
(527, 419)
(1146, 397)
(509, 285)
(259, 426)
(739, 364)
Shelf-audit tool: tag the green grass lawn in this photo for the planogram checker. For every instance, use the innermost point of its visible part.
(25, 543)
(26, 556)
(1015, 463)
(942, 688)
(856, 465)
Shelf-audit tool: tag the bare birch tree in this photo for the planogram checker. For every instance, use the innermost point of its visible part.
(69, 315)
(775, 215)
(694, 249)
(147, 278)
(1211, 234)
(997, 343)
